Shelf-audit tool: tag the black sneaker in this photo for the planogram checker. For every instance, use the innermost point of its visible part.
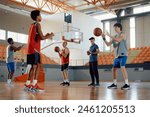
(97, 85)
(113, 86)
(67, 83)
(125, 87)
(91, 84)
(63, 83)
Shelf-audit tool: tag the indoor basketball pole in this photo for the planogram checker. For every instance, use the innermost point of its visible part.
(67, 27)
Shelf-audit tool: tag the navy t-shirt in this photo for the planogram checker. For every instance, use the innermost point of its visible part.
(93, 57)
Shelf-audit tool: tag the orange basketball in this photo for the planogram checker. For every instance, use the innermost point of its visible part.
(97, 32)
(56, 49)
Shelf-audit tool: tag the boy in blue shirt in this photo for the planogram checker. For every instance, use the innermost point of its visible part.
(93, 62)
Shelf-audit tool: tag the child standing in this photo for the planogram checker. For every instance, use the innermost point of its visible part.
(10, 59)
(121, 54)
(64, 56)
(33, 50)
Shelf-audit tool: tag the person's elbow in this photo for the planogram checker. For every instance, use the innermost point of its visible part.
(42, 38)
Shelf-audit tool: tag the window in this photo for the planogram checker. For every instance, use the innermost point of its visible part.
(18, 37)
(141, 9)
(123, 13)
(12, 35)
(132, 32)
(105, 16)
(22, 38)
(100, 44)
(2, 34)
(107, 28)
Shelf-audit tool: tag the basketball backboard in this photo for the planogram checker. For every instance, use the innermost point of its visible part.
(69, 33)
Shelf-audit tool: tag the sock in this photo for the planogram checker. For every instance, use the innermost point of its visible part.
(67, 80)
(28, 82)
(115, 81)
(126, 82)
(34, 82)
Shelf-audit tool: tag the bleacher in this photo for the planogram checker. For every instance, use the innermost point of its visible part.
(135, 56)
(21, 55)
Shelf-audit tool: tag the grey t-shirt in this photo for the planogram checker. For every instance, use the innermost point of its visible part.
(9, 55)
(93, 57)
(120, 48)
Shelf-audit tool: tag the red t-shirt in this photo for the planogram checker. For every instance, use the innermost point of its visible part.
(33, 44)
(65, 60)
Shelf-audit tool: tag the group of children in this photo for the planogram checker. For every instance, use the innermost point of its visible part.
(120, 51)
(35, 37)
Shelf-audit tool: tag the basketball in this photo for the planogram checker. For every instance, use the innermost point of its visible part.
(56, 49)
(97, 32)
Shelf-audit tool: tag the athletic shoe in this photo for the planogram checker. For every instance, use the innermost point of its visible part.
(113, 86)
(97, 85)
(125, 87)
(63, 83)
(67, 83)
(27, 87)
(36, 88)
(91, 84)
(9, 82)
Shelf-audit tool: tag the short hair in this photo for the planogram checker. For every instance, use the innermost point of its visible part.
(34, 14)
(118, 25)
(91, 38)
(9, 40)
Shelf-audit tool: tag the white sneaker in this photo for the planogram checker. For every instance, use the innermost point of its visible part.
(9, 82)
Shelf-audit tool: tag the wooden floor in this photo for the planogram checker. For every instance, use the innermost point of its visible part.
(77, 91)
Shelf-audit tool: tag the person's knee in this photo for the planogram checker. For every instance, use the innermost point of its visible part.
(31, 67)
(35, 67)
(11, 73)
(114, 70)
(123, 68)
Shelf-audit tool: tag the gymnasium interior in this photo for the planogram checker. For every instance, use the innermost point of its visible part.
(134, 16)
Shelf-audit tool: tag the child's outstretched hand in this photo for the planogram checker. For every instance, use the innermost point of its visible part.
(103, 35)
(72, 40)
(49, 35)
(52, 34)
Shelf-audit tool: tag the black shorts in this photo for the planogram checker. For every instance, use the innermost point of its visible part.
(64, 67)
(33, 59)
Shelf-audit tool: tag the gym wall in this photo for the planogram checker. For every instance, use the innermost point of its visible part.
(53, 73)
(142, 32)
(142, 27)
(53, 23)
(15, 22)
(85, 23)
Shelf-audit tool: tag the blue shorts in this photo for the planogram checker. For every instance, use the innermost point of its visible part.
(11, 67)
(120, 61)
